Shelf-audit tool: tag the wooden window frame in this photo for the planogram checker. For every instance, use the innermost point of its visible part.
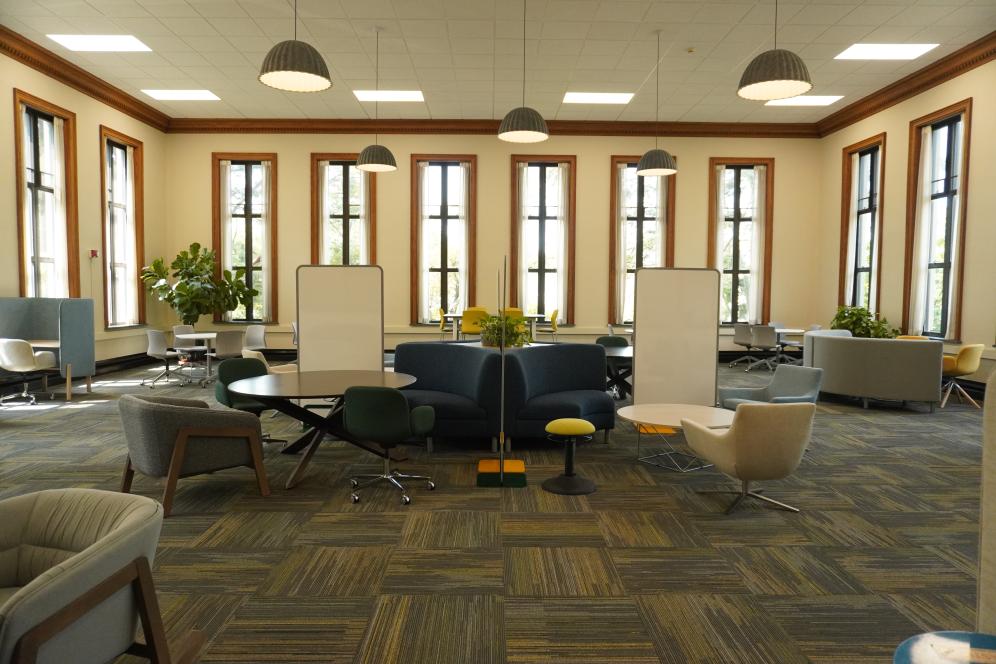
(138, 158)
(769, 219)
(216, 244)
(69, 168)
(316, 204)
(963, 108)
(672, 182)
(415, 204)
(513, 276)
(878, 140)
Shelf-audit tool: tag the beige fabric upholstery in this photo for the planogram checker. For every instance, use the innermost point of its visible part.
(765, 441)
(17, 355)
(900, 370)
(986, 621)
(57, 544)
(273, 369)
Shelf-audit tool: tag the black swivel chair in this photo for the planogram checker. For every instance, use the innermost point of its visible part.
(619, 368)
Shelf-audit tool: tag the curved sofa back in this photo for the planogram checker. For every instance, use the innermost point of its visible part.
(893, 369)
(537, 370)
(469, 371)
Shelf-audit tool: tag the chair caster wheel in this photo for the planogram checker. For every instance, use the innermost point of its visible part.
(354, 483)
(405, 500)
(431, 485)
(355, 498)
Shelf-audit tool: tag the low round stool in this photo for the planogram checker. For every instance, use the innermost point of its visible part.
(569, 431)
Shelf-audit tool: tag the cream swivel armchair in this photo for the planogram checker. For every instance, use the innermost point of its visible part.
(270, 368)
(69, 558)
(17, 356)
(765, 442)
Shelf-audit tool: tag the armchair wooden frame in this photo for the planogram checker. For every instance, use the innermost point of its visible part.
(138, 575)
(183, 436)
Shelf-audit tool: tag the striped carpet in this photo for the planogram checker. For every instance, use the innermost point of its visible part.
(645, 570)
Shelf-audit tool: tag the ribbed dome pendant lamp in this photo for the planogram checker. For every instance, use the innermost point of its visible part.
(523, 124)
(775, 74)
(376, 158)
(657, 162)
(295, 66)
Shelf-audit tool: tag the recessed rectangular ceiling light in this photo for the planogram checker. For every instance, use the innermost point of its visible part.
(806, 100)
(597, 97)
(182, 95)
(389, 95)
(884, 51)
(100, 43)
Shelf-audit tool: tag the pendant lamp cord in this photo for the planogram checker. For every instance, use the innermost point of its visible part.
(657, 104)
(776, 23)
(523, 52)
(295, 20)
(376, 81)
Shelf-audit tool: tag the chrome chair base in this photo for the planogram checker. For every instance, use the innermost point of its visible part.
(767, 361)
(392, 477)
(28, 397)
(960, 393)
(745, 493)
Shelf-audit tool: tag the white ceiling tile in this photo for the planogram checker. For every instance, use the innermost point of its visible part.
(236, 27)
(168, 8)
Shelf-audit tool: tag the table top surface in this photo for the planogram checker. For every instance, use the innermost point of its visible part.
(619, 351)
(671, 414)
(460, 315)
(316, 384)
(44, 343)
(946, 648)
(790, 330)
(193, 336)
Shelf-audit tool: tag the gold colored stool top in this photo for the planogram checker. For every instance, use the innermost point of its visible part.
(570, 426)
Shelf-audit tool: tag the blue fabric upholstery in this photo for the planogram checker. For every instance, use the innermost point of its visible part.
(460, 382)
(544, 383)
(790, 384)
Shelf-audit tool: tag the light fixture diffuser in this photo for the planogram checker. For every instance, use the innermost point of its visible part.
(295, 66)
(100, 43)
(389, 95)
(598, 97)
(806, 100)
(884, 51)
(376, 158)
(182, 95)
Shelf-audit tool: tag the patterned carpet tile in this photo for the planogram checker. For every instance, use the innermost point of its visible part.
(676, 570)
(560, 572)
(318, 571)
(899, 570)
(366, 529)
(452, 530)
(417, 571)
(649, 529)
(790, 570)
(560, 530)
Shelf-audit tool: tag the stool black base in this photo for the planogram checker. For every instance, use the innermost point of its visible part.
(569, 485)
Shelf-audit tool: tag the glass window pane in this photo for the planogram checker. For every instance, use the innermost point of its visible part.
(258, 195)
(935, 301)
(746, 242)
(237, 188)
(357, 242)
(334, 189)
(629, 296)
(629, 245)
(864, 241)
(726, 244)
(726, 298)
(651, 245)
(938, 226)
(258, 241)
(743, 298)
(333, 242)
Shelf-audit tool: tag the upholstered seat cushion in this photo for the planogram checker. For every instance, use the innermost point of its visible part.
(950, 364)
(570, 426)
(731, 404)
(6, 593)
(573, 403)
(448, 406)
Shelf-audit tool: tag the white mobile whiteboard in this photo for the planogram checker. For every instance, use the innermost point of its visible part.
(340, 317)
(676, 340)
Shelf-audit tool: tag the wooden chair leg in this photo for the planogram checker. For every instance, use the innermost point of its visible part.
(175, 464)
(148, 612)
(256, 451)
(129, 475)
(89, 383)
(69, 382)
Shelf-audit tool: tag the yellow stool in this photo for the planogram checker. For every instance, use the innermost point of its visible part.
(569, 430)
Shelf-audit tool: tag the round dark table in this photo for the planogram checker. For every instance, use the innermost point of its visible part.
(280, 391)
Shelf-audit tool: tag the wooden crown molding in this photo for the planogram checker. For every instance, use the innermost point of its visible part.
(37, 57)
(41, 59)
(963, 60)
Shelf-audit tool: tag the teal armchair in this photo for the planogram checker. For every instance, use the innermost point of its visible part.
(790, 384)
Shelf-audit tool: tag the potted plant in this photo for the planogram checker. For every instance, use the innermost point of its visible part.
(862, 323)
(516, 331)
(194, 289)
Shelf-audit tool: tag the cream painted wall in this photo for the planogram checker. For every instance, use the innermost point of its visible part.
(797, 185)
(979, 293)
(90, 114)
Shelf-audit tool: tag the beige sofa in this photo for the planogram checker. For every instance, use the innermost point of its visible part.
(889, 369)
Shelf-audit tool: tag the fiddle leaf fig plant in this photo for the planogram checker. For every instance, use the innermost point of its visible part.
(862, 323)
(190, 287)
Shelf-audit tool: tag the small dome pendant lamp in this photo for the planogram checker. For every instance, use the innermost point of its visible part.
(523, 124)
(657, 162)
(775, 74)
(376, 158)
(295, 66)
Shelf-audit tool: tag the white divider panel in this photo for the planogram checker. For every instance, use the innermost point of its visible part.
(676, 340)
(340, 317)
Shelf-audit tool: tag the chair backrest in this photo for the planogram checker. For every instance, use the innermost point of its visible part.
(442, 319)
(59, 544)
(228, 343)
(180, 343)
(550, 368)
(377, 414)
(741, 334)
(157, 344)
(612, 341)
(794, 381)
(512, 312)
(256, 355)
(911, 337)
(554, 315)
(470, 322)
(16, 355)
(969, 359)
(770, 439)
(234, 369)
(763, 336)
(255, 336)
(294, 332)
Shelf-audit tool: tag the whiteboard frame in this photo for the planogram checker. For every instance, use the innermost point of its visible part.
(297, 285)
(640, 331)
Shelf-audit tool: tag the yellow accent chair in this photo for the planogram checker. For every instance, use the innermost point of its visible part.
(512, 312)
(442, 323)
(554, 326)
(912, 337)
(470, 322)
(955, 366)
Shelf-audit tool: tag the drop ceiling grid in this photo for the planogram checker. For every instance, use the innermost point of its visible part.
(466, 55)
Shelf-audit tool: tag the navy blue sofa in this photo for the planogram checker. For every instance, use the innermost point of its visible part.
(460, 382)
(543, 383)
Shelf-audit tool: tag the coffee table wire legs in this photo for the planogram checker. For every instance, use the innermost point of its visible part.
(670, 459)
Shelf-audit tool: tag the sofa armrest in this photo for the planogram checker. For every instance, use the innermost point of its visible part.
(752, 393)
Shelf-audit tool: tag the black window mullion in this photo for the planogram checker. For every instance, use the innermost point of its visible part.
(444, 218)
(36, 187)
(948, 191)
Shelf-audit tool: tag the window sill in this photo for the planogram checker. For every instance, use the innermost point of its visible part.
(245, 323)
(122, 328)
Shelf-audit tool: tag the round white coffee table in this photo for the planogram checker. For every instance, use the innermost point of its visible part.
(661, 419)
